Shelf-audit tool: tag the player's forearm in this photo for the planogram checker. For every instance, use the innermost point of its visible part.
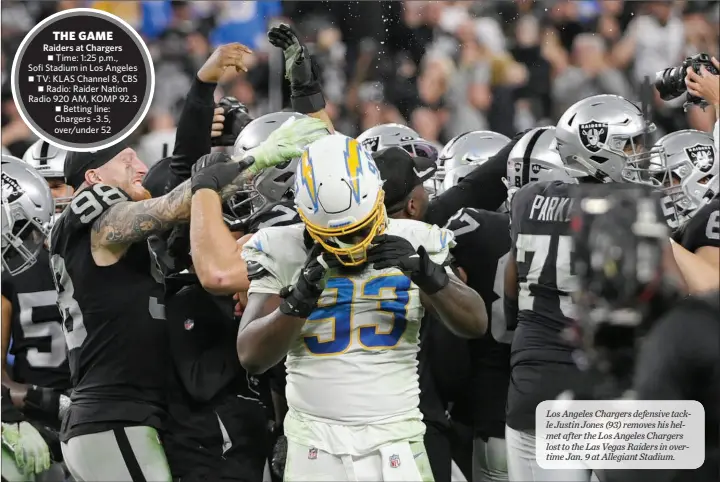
(699, 275)
(215, 253)
(128, 222)
(262, 343)
(460, 308)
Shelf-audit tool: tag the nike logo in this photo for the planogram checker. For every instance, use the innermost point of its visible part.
(415, 256)
(422, 173)
(417, 454)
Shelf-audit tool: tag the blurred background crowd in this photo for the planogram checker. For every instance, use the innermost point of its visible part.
(442, 67)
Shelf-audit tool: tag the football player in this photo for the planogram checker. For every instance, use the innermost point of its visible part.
(31, 316)
(599, 139)
(49, 160)
(268, 200)
(689, 178)
(111, 302)
(347, 420)
(463, 154)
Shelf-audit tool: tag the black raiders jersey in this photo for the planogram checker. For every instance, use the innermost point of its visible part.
(113, 320)
(282, 213)
(541, 247)
(541, 359)
(38, 343)
(482, 250)
(703, 229)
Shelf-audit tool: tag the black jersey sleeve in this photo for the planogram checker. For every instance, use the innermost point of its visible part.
(703, 229)
(281, 214)
(483, 188)
(89, 204)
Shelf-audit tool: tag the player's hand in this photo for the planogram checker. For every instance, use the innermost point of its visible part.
(31, 452)
(279, 456)
(301, 299)
(390, 251)
(225, 57)
(286, 142)
(298, 65)
(218, 122)
(235, 117)
(214, 171)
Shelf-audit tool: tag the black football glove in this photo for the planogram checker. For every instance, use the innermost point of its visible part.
(215, 171)
(236, 118)
(279, 456)
(395, 252)
(301, 70)
(301, 299)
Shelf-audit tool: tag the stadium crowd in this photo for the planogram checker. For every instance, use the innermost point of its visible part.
(441, 67)
(343, 249)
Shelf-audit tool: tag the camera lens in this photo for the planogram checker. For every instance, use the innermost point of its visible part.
(670, 83)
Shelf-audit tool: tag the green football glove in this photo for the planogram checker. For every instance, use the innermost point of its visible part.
(287, 142)
(32, 455)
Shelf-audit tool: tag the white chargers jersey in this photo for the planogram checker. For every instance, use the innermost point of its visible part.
(355, 363)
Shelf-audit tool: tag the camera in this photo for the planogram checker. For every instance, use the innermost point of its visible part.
(670, 83)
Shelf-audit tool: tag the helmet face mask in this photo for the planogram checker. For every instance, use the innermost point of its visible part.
(27, 210)
(273, 184)
(340, 203)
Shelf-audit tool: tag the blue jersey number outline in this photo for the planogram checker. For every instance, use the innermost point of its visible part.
(339, 311)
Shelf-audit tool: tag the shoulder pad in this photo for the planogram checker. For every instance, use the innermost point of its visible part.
(437, 241)
(279, 251)
(91, 202)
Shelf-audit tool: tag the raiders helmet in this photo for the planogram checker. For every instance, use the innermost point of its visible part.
(49, 162)
(683, 166)
(388, 135)
(602, 137)
(27, 208)
(466, 152)
(273, 184)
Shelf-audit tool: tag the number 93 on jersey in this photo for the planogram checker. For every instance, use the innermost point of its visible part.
(370, 313)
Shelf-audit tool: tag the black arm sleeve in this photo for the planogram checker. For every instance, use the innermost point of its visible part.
(10, 414)
(483, 188)
(192, 139)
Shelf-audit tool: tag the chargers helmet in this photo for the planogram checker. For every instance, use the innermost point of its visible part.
(684, 164)
(49, 162)
(27, 208)
(535, 158)
(339, 197)
(273, 184)
(602, 137)
(466, 152)
(388, 135)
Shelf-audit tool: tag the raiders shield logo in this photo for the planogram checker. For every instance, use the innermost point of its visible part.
(535, 168)
(371, 143)
(702, 156)
(593, 134)
(11, 190)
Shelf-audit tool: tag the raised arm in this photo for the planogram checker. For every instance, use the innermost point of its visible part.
(128, 222)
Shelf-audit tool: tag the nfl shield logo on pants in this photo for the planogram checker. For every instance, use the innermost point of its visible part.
(394, 461)
(312, 453)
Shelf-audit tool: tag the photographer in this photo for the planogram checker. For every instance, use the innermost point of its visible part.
(706, 86)
(633, 314)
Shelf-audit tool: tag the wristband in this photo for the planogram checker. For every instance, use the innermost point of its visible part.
(308, 104)
(42, 403)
